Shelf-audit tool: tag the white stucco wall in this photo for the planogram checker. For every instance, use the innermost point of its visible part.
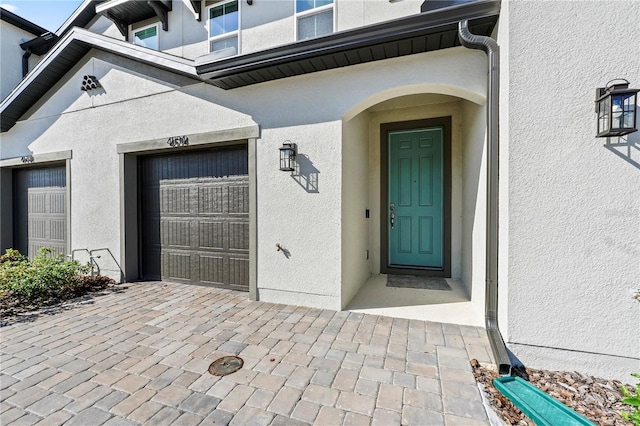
(356, 13)
(356, 245)
(11, 58)
(501, 34)
(399, 96)
(474, 209)
(91, 125)
(302, 211)
(264, 24)
(574, 205)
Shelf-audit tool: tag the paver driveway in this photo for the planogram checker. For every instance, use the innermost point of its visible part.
(141, 356)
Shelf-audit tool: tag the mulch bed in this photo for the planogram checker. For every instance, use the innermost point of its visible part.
(10, 306)
(595, 398)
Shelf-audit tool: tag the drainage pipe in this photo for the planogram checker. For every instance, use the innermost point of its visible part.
(25, 62)
(490, 47)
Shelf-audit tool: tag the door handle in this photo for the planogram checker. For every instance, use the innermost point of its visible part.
(392, 219)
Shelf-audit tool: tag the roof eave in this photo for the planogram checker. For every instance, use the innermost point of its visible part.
(20, 22)
(346, 40)
(30, 89)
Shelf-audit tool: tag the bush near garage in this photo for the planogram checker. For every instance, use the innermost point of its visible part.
(45, 280)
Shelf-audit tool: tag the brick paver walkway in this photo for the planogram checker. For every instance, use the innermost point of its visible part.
(140, 356)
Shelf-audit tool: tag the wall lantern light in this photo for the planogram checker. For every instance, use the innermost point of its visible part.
(616, 109)
(287, 156)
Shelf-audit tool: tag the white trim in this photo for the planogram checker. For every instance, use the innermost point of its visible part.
(225, 35)
(137, 30)
(109, 4)
(32, 159)
(310, 12)
(74, 15)
(207, 138)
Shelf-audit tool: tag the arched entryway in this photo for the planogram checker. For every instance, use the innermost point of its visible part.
(422, 147)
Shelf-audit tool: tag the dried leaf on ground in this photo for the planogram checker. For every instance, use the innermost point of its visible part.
(595, 398)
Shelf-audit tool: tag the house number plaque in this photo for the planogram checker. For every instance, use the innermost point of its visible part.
(27, 159)
(176, 141)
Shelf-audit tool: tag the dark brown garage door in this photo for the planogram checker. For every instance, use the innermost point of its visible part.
(194, 217)
(40, 203)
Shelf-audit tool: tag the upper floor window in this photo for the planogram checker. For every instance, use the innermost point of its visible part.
(314, 18)
(224, 19)
(147, 37)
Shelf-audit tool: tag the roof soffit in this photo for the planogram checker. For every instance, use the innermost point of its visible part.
(428, 31)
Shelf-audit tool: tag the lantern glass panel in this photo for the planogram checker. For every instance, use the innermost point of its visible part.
(628, 121)
(623, 111)
(603, 115)
(286, 156)
(616, 111)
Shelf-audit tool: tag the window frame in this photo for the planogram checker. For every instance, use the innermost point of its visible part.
(310, 12)
(137, 30)
(225, 35)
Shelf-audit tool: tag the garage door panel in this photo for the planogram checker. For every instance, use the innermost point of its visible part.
(177, 266)
(238, 272)
(175, 200)
(176, 234)
(238, 199)
(211, 235)
(239, 236)
(201, 216)
(37, 201)
(40, 216)
(211, 199)
(58, 230)
(212, 270)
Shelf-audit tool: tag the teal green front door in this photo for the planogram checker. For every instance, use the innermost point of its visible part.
(416, 199)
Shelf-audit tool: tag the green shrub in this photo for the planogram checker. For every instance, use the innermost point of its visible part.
(632, 399)
(47, 276)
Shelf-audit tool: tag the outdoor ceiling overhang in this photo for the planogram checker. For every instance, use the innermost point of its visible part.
(65, 55)
(41, 44)
(126, 12)
(424, 32)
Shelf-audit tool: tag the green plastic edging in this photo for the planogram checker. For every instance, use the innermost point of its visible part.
(537, 405)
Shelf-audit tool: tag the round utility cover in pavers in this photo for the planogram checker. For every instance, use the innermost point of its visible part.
(226, 365)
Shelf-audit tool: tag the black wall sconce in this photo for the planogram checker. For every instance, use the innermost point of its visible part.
(287, 156)
(616, 108)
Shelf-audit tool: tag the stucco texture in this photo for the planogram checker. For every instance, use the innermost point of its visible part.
(574, 205)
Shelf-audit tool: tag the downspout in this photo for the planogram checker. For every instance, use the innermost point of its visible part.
(25, 62)
(492, 50)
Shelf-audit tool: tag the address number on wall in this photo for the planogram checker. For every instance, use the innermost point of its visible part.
(27, 159)
(176, 141)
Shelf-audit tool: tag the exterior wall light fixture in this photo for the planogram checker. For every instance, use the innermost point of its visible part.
(616, 109)
(287, 156)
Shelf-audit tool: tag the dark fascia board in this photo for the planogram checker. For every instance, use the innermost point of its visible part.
(348, 40)
(65, 55)
(20, 22)
(41, 44)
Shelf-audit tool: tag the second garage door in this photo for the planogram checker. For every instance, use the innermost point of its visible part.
(194, 217)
